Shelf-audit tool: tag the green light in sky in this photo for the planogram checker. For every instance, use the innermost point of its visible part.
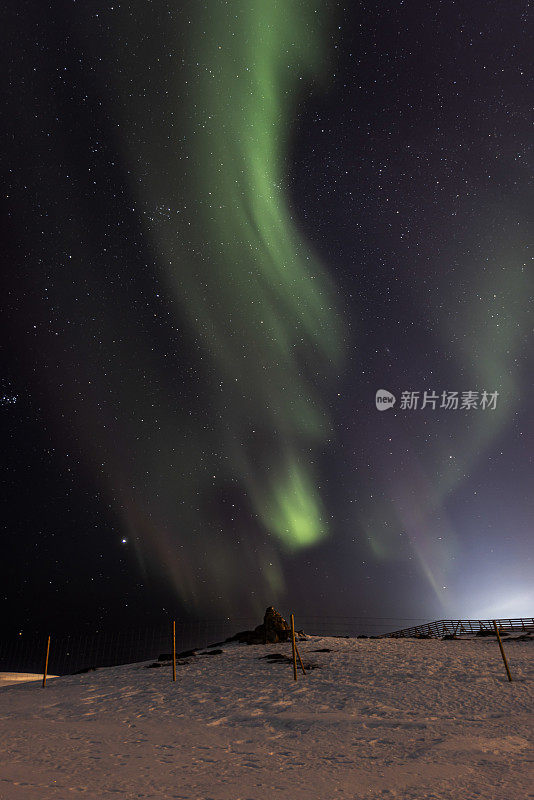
(261, 310)
(260, 303)
(291, 508)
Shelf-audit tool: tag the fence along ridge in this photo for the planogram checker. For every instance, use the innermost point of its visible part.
(456, 627)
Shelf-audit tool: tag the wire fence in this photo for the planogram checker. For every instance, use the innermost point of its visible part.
(464, 627)
(25, 653)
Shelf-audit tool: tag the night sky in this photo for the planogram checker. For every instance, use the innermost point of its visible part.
(228, 225)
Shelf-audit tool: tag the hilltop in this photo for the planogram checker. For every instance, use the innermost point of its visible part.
(380, 718)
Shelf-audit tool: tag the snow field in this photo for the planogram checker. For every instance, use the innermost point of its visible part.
(386, 718)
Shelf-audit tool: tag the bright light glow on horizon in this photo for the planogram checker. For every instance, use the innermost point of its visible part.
(501, 605)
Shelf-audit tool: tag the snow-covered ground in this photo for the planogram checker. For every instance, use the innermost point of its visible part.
(9, 678)
(377, 719)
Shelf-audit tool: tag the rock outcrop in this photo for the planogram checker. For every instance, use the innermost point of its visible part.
(273, 629)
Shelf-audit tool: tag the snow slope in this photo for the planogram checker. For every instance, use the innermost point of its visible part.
(8, 678)
(380, 718)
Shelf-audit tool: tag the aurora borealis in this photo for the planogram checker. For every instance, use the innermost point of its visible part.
(230, 224)
(257, 301)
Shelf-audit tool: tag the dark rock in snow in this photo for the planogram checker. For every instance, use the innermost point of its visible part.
(273, 629)
(245, 637)
(278, 658)
(183, 654)
(186, 654)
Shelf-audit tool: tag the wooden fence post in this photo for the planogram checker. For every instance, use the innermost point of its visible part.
(46, 662)
(294, 647)
(502, 650)
(174, 650)
(300, 660)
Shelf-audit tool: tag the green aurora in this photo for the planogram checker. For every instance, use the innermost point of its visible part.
(257, 303)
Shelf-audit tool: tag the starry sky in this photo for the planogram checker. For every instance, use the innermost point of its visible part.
(229, 225)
